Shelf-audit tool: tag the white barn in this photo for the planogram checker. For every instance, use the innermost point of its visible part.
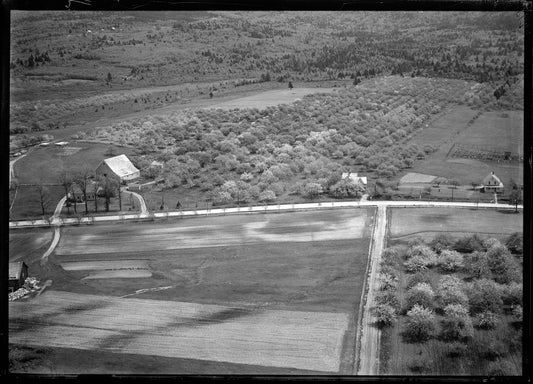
(119, 167)
(355, 178)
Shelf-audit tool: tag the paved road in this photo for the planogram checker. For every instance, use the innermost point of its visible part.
(261, 208)
(370, 340)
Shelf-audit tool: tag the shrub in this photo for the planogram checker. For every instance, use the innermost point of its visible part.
(450, 261)
(388, 297)
(514, 242)
(512, 294)
(450, 291)
(457, 324)
(441, 242)
(267, 195)
(387, 282)
(503, 266)
(420, 324)
(476, 264)
(391, 255)
(484, 295)
(469, 244)
(486, 320)
(420, 364)
(389, 270)
(517, 312)
(457, 349)
(418, 263)
(501, 368)
(491, 242)
(222, 197)
(415, 241)
(494, 349)
(419, 277)
(385, 314)
(311, 190)
(421, 294)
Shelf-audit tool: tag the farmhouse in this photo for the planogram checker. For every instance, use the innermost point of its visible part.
(492, 183)
(76, 194)
(18, 272)
(356, 179)
(119, 167)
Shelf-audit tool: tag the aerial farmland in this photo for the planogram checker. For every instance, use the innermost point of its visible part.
(266, 193)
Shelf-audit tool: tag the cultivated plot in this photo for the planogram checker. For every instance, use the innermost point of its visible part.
(217, 232)
(304, 340)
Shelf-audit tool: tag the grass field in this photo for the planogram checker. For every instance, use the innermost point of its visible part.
(427, 222)
(256, 279)
(28, 244)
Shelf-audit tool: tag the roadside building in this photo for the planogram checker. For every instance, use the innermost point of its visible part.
(492, 183)
(76, 194)
(18, 272)
(119, 167)
(361, 180)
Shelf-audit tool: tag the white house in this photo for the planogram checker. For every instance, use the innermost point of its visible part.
(119, 167)
(353, 176)
(492, 183)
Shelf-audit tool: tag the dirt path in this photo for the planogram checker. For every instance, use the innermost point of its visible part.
(56, 222)
(370, 340)
(144, 210)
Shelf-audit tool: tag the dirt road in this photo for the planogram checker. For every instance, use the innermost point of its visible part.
(370, 340)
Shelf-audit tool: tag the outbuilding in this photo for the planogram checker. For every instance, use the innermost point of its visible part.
(119, 167)
(18, 272)
(362, 180)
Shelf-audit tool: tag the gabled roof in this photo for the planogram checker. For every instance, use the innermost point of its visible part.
(353, 176)
(121, 165)
(492, 177)
(15, 268)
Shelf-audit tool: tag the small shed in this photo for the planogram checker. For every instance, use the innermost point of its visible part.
(492, 183)
(18, 272)
(119, 167)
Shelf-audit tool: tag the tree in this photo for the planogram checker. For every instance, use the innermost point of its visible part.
(420, 324)
(108, 187)
(476, 264)
(440, 242)
(267, 195)
(82, 178)
(108, 78)
(65, 179)
(421, 294)
(44, 197)
(514, 242)
(457, 324)
(502, 265)
(515, 197)
(450, 290)
(484, 295)
(346, 188)
(290, 85)
(311, 190)
(385, 314)
(486, 320)
(469, 244)
(450, 260)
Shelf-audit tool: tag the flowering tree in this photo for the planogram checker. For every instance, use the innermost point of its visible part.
(420, 324)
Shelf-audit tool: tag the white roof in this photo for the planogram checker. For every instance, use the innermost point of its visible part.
(492, 176)
(121, 165)
(61, 143)
(353, 176)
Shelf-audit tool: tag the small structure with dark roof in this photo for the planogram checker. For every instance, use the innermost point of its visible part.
(18, 272)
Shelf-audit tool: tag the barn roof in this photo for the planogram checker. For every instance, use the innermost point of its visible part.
(15, 268)
(353, 176)
(121, 165)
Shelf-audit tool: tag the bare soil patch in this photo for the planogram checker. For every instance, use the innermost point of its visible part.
(303, 340)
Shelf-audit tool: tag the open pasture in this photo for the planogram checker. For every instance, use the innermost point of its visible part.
(304, 340)
(271, 98)
(426, 222)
